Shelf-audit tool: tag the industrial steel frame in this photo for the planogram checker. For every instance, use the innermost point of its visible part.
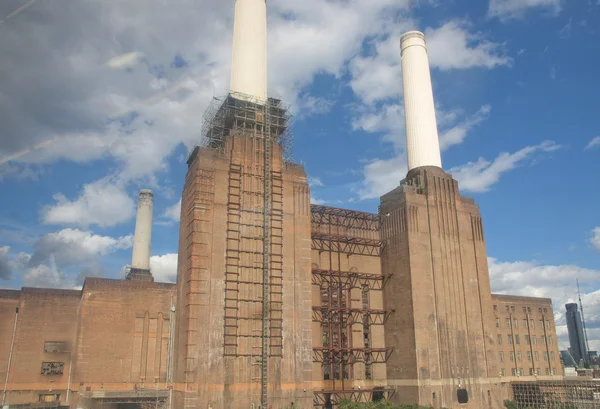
(346, 232)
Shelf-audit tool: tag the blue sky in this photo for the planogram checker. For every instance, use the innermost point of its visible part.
(95, 108)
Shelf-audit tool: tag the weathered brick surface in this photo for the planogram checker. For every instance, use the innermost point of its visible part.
(218, 303)
(526, 340)
(440, 290)
(115, 334)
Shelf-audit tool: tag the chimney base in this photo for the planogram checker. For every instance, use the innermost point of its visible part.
(139, 274)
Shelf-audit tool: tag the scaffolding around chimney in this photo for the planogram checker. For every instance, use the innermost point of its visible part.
(244, 112)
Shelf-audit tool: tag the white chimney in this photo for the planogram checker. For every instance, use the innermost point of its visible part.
(249, 59)
(140, 260)
(422, 142)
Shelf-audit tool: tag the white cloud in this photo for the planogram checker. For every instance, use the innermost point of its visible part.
(595, 240)
(44, 276)
(314, 181)
(315, 201)
(382, 175)
(558, 282)
(173, 212)
(594, 143)
(481, 175)
(457, 134)
(103, 203)
(164, 268)
(452, 46)
(507, 9)
(72, 247)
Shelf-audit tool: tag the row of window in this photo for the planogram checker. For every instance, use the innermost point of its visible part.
(511, 308)
(514, 323)
(528, 340)
(537, 371)
(535, 356)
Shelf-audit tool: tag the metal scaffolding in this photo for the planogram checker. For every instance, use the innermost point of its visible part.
(349, 279)
(329, 398)
(343, 234)
(245, 112)
(567, 393)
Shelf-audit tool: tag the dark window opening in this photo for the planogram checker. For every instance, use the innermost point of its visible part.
(462, 396)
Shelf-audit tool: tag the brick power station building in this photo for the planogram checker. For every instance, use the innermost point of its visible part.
(280, 303)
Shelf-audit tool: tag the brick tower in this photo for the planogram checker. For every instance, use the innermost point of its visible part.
(243, 324)
(435, 250)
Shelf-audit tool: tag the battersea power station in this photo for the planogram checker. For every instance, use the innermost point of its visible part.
(280, 303)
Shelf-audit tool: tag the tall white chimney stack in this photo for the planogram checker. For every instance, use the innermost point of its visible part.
(422, 142)
(249, 59)
(140, 259)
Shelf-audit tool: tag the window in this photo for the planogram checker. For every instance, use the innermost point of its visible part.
(529, 355)
(524, 309)
(547, 323)
(528, 309)
(526, 339)
(519, 356)
(537, 372)
(497, 322)
(547, 371)
(512, 356)
(499, 339)
(531, 324)
(55, 347)
(508, 323)
(552, 356)
(510, 339)
(553, 371)
(520, 371)
(495, 308)
(52, 368)
(502, 372)
(539, 310)
(514, 372)
(549, 339)
(517, 340)
(512, 308)
(501, 356)
(545, 310)
(524, 323)
(543, 340)
(536, 355)
(533, 340)
(516, 323)
(545, 355)
(49, 398)
(507, 308)
(541, 323)
(530, 371)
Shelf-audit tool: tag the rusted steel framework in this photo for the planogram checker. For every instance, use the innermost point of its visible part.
(331, 398)
(344, 244)
(351, 315)
(349, 279)
(352, 355)
(559, 394)
(344, 217)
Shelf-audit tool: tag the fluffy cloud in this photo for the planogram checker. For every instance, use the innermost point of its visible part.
(507, 9)
(558, 282)
(382, 175)
(10, 264)
(595, 240)
(102, 203)
(314, 181)
(481, 175)
(71, 247)
(594, 143)
(173, 212)
(45, 276)
(457, 133)
(164, 268)
(452, 46)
